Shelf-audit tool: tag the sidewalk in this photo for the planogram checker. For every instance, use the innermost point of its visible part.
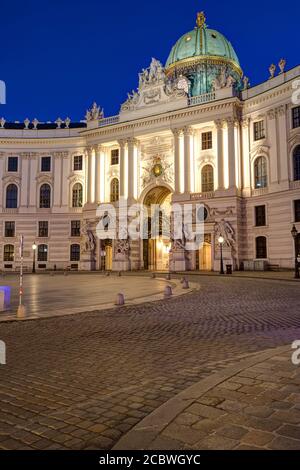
(254, 404)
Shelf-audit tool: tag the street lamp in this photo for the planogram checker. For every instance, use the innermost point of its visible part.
(294, 233)
(221, 241)
(34, 247)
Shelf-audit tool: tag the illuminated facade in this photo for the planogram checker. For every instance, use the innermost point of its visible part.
(193, 131)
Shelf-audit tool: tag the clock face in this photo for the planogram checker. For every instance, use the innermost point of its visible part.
(157, 170)
(202, 214)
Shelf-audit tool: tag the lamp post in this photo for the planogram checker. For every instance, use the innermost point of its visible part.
(221, 241)
(34, 247)
(294, 233)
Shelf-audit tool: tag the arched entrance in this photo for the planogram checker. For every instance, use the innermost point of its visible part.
(157, 245)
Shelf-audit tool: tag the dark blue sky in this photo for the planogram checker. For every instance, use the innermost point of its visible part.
(57, 56)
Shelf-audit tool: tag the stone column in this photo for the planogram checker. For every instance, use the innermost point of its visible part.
(231, 125)
(272, 138)
(132, 148)
(90, 176)
(188, 135)
(177, 160)
(24, 162)
(282, 132)
(98, 176)
(57, 178)
(220, 154)
(246, 174)
(122, 144)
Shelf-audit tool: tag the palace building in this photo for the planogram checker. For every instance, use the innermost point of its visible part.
(194, 130)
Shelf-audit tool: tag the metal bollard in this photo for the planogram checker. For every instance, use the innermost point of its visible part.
(120, 300)
(107, 274)
(119, 274)
(168, 277)
(168, 292)
(153, 276)
(185, 284)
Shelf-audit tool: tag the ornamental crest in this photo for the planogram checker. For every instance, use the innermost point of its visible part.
(157, 170)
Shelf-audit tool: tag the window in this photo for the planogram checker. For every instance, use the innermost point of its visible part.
(298, 245)
(12, 196)
(75, 252)
(77, 163)
(261, 248)
(43, 228)
(46, 164)
(12, 164)
(45, 196)
(260, 216)
(296, 117)
(77, 195)
(114, 157)
(206, 140)
(75, 228)
(114, 190)
(42, 252)
(9, 253)
(260, 173)
(259, 130)
(297, 210)
(9, 229)
(207, 179)
(296, 162)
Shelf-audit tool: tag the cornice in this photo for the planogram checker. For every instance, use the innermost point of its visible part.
(39, 141)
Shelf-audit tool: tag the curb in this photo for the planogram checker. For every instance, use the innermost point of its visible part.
(147, 430)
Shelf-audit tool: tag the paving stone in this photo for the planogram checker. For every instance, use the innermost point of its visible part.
(284, 443)
(183, 433)
(205, 411)
(257, 438)
(232, 431)
(217, 443)
(259, 411)
(290, 431)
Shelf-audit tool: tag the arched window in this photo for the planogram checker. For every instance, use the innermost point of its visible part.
(77, 195)
(9, 253)
(114, 190)
(260, 173)
(261, 247)
(75, 252)
(45, 196)
(42, 253)
(207, 179)
(296, 162)
(12, 196)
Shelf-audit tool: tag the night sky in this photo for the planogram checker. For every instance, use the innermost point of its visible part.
(58, 56)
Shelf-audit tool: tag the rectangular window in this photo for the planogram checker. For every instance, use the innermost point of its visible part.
(77, 163)
(9, 229)
(42, 254)
(43, 228)
(259, 130)
(46, 164)
(75, 228)
(114, 157)
(296, 117)
(9, 253)
(260, 216)
(297, 210)
(12, 164)
(75, 252)
(206, 140)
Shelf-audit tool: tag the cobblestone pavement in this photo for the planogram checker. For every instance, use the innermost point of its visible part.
(254, 404)
(82, 381)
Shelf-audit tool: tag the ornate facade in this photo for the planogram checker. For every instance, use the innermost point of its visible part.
(193, 130)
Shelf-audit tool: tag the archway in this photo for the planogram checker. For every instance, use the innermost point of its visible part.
(156, 245)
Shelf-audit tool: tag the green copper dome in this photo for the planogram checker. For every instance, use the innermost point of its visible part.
(213, 44)
(206, 58)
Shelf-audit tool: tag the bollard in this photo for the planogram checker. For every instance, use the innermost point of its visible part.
(153, 276)
(119, 274)
(2, 306)
(107, 274)
(168, 292)
(182, 280)
(65, 273)
(21, 312)
(185, 284)
(52, 273)
(168, 277)
(120, 300)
